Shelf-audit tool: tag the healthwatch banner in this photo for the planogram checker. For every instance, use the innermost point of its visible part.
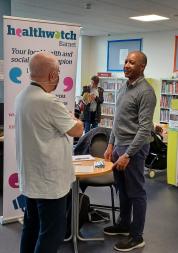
(22, 38)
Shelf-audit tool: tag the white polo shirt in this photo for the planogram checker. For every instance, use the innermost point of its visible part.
(43, 149)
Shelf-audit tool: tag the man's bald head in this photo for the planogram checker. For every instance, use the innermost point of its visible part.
(41, 64)
(140, 56)
(44, 70)
(134, 66)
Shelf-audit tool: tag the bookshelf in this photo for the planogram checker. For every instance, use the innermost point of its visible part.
(169, 91)
(111, 87)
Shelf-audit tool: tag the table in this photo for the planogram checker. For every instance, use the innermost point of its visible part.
(75, 199)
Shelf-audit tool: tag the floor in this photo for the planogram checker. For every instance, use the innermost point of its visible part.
(160, 230)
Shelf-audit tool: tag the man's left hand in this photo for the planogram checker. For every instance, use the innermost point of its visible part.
(121, 163)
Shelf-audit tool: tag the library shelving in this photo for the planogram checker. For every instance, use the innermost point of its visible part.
(111, 87)
(169, 91)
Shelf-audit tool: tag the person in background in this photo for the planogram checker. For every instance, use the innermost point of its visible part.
(44, 156)
(159, 132)
(131, 134)
(92, 100)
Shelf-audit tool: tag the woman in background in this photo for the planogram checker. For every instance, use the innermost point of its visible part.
(92, 100)
(159, 132)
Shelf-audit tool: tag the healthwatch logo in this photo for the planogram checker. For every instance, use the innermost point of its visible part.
(15, 74)
(38, 32)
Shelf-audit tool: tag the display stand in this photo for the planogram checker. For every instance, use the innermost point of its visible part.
(172, 155)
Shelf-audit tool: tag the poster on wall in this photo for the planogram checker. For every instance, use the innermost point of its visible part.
(22, 38)
(173, 119)
(118, 50)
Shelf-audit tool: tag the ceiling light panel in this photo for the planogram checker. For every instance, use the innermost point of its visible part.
(149, 18)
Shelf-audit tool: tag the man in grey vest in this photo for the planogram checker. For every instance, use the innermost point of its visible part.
(128, 147)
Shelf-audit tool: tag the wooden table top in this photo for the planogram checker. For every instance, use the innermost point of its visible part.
(96, 171)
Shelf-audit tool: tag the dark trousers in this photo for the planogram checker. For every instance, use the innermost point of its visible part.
(88, 126)
(132, 194)
(44, 225)
(90, 122)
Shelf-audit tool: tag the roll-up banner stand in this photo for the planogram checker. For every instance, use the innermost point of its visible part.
(22, 38)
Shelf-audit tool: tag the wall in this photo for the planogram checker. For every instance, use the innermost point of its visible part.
(86, 60)
(155, 83)
(78, 74)
(5, 9)
(158, 46)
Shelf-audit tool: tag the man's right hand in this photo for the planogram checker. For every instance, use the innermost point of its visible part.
(108, 152)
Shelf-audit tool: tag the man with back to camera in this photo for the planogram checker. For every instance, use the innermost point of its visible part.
(131, 135)
(44, 156)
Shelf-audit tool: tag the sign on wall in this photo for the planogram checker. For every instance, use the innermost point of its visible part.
(22, 38)
(118, 51)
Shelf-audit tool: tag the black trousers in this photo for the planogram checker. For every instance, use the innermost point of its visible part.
(132, 194)
(44, 223)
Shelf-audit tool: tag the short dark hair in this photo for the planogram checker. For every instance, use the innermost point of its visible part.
(144, 58)
(95, 79)
(158, 129)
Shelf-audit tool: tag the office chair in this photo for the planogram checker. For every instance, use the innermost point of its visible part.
(97, 147)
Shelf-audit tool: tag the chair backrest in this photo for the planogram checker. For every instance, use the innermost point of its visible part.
(94, 142)
(98, 145)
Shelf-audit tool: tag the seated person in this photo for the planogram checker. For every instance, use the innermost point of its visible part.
(159, 131)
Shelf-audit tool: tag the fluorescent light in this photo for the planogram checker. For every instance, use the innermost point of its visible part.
(149, 18)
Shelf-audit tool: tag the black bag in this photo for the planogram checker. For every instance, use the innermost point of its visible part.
(84, 208)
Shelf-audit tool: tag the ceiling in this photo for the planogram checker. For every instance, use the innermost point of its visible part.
(101, 17)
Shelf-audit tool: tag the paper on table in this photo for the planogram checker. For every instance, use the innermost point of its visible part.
(83, 169)
(82, 158)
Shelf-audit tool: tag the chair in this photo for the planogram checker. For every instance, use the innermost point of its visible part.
(97, 146)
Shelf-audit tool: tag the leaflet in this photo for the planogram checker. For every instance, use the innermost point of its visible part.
(82, 158)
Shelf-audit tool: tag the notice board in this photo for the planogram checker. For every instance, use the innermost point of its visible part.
(118, 50)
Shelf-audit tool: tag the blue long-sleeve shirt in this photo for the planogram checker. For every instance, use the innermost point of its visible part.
(133, 116)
